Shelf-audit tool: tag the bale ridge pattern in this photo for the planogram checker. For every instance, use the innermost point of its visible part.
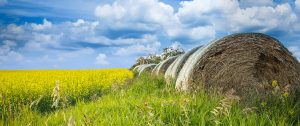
(135, 69)
(246, 62)
(174, 69)
(147, 68)
(162, 67)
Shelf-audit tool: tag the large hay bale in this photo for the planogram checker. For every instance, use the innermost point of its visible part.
(162, 67)
(135, 69)
(155, 69)
(138, 70)
(175, 67)
(140, 67)
(147, 68)
(246, 62)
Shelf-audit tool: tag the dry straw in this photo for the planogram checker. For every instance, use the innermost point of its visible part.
(246, 62)
(135, 69)
(162, 67)
(173, 70)
(146, 68)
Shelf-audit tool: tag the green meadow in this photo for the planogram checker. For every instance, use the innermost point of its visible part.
(147, 100)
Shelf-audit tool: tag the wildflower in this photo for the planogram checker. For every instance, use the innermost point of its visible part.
(285, 94)
(274, 83)
(263, 104)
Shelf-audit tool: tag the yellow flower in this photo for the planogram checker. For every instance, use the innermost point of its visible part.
(27, 85)
(274, 83)
(285, 94)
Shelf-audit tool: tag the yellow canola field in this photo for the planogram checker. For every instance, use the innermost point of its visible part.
(25, 86)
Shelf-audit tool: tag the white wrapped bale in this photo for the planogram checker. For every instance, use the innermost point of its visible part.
(246, 62)
(147, 68)
(174, 69)
(162, 67)
(135, 69)
(187, 69)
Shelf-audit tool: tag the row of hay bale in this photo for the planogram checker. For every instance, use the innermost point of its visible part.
(144, 68)
(245, 62)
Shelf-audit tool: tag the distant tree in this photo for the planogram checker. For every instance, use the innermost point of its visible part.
(151, 58)
(154, 58)
(174, 50)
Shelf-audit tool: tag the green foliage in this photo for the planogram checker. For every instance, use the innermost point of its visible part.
(147, 100)
(169, 52)
(155, 59)
(150, 59)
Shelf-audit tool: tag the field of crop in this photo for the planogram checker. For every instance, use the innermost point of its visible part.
(147, 100)
(47, 90)
(114, 97)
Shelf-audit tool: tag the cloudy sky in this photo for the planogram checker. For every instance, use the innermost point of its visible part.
(84, 34)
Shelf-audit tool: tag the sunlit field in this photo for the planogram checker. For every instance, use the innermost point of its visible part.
(147, 100)
(47, 90)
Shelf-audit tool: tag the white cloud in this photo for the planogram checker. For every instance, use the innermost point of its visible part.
(144, 40)
(148, 11)
(136, 27)
(81, 26)
(45, 35)
(297, 4)
(202, 33)
(107, 11)
(150, 15)
(79, 22)
(199, 20)
(202, 7)
(147, 44)
(264, 19)
(40, 41)
(176, 45)
(14, 29)
(142, 15)
(40, 37)
(46, 25)
(8, 53)
(33, 46)
(138, 49)
(227, 16)
(73, 35)
(75, 54)
(101, 59)
(296, 51)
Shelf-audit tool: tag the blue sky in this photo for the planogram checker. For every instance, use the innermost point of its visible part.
(87, 34)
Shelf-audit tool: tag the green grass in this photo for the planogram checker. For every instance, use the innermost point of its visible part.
(147, 100)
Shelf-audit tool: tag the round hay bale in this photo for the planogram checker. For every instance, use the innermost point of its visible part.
(141, 67)
(162, 67)
(135, 69)
(246, 62)
(147, 68)
(175, 67)
(155, 68)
